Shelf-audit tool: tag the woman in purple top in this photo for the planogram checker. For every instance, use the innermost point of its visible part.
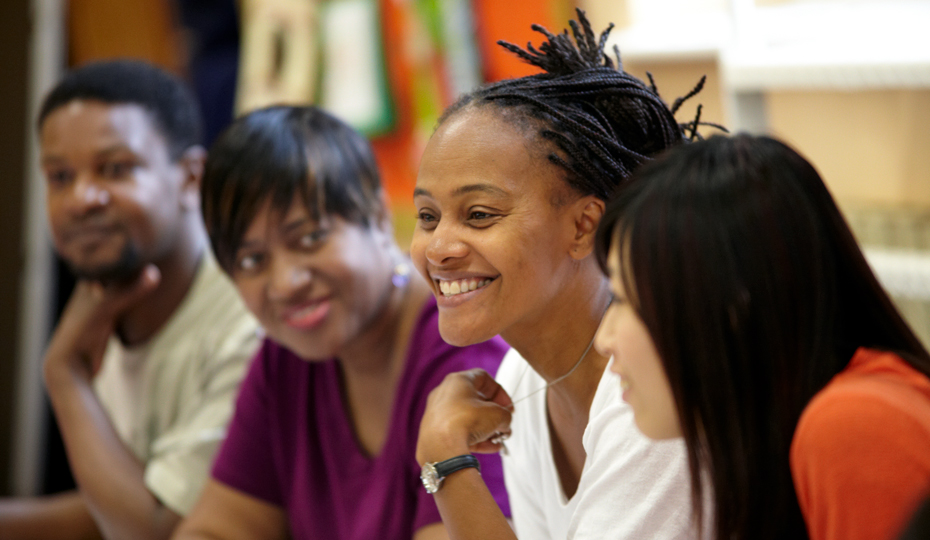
(322, 444)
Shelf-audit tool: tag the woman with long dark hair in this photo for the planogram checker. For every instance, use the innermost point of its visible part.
(746, 320)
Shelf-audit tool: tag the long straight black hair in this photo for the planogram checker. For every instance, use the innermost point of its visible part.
(756, 294)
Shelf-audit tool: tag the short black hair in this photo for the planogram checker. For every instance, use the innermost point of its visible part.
(167, 99)
(276, 154)
(604, 121)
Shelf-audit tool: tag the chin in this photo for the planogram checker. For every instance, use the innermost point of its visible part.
(459, 335)
(106, 273)
(307, 353)
(125, 267)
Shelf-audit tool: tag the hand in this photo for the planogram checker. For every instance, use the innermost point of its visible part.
(463, 414)
(89, 320)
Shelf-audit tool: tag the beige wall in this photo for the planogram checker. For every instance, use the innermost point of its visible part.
(675, 79)
(872, 147)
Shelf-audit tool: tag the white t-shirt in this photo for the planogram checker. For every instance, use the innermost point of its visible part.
(171, 398)
(630, 487)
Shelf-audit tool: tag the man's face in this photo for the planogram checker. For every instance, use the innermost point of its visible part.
(113, 192)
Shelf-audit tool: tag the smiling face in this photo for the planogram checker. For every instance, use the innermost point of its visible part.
(114, 196)
(645, 386)
(490, 238)
(315, 287)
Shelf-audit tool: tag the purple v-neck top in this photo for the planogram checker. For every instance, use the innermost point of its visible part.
(291, 443)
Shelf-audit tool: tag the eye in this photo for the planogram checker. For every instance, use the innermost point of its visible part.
(58, 177)
(481, 218)
(116, 170)
(312, 239)
(249, 262)
(427, 220)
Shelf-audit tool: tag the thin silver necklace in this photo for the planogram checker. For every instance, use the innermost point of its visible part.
(553, 383)
(499, 438)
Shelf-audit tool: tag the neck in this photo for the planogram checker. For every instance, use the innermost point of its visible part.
(178, 269)
(380, 350)
(553, 341)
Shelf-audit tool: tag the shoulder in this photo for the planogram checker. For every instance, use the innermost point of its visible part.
(214, 319)
(858, 456)
(625, 469)
(875, 401)
(613, 438)
(213, 299)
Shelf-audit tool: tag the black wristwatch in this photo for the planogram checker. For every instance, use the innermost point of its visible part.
(433, 474)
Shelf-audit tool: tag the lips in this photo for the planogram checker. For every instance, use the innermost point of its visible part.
(624, 388)
(307, 316)
(90, 235)
(453, 290)
(461, 286)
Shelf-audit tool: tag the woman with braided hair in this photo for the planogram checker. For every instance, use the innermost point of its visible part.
(511, 188)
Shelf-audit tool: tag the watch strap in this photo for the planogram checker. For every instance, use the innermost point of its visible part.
(449, 466)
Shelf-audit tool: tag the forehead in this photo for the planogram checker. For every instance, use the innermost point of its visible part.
(477, 146)
(269, 219)
(92, 126)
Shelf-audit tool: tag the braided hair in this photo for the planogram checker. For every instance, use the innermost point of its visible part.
(605, 121)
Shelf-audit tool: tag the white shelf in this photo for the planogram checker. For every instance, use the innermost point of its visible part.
(903, 273)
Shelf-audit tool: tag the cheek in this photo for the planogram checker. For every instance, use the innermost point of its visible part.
(418, 252)
(251, 292)
(57, 213)
(662, 411)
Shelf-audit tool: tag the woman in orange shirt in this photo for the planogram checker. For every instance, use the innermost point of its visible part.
(746, 320)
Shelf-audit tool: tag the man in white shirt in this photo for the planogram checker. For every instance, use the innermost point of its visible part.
(143, 368)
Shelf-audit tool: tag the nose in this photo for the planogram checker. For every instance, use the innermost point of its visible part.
(88, 195)
(444, 245)
(604, 337)
(287, 276)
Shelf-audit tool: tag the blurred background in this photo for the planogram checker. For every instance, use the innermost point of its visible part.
(846, 82)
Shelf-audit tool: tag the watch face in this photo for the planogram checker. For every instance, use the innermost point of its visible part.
(431, 479)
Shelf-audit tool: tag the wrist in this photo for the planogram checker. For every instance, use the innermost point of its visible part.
(61, 371)
(439, 446)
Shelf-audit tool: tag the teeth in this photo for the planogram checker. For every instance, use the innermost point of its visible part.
(452, 288)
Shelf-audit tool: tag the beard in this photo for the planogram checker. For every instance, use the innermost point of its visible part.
(122, 270)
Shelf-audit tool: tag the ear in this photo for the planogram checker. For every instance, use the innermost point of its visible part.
(588, 213)
(192, 164)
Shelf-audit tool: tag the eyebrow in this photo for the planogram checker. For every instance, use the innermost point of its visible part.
(114, 149)
(470, 188)
(51, 159)
(295, 224)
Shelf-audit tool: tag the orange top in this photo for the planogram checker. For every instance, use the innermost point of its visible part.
(860, 457)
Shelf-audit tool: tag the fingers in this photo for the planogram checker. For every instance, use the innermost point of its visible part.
(467, 412)
(488, 388)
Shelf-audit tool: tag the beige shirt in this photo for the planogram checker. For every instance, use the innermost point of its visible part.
(171, 398)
